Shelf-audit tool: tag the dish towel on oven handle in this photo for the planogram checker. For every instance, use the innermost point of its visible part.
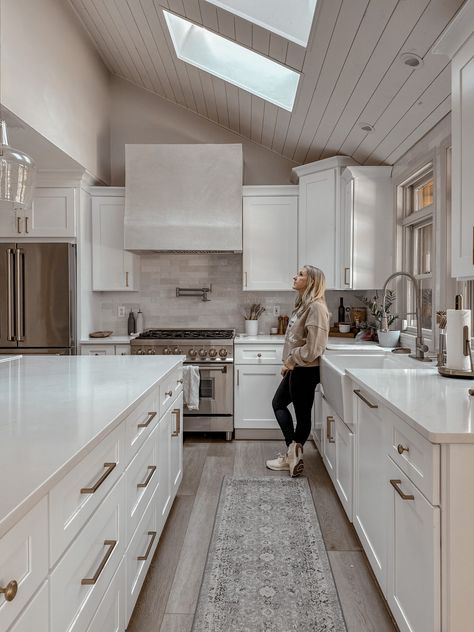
(191, 381)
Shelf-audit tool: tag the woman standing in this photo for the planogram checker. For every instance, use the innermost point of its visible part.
(305, 342)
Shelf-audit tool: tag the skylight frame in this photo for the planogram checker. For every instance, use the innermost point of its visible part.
(193, 42)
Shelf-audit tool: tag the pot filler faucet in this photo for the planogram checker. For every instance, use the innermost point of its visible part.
(420, 347)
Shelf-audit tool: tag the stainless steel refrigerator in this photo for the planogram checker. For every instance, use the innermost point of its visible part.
(37, 298)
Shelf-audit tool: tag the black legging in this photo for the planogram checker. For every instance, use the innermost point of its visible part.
(297, 386)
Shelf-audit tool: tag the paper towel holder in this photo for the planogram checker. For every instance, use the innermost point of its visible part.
(459, 373)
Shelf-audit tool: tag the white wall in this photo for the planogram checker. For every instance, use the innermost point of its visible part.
(138, 116)
(53, 79)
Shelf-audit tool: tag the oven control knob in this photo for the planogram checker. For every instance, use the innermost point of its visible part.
(202, 353)
(166, 351)
(176, 351)
(212, 353)
(140, 352)
(151, 352)
(192, 353)
(223, 353)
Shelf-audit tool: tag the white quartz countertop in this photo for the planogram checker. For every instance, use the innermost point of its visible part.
(261, 339)
(439, 408)
(334, 344)
(110, 340)
(55, 409)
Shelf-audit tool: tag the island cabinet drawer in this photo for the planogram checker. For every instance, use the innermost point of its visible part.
(170, 387)
(140, 423)
(416, 457)
(110, 615)
(35, 617)
(73, 500)
(140, 553)
(83, 575)
(23, 562)
(141, 480)
(258, 354)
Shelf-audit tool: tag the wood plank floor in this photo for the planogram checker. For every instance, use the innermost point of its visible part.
(169, 595)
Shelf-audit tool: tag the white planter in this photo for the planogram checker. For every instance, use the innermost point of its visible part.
(251, 327)
(388, 338)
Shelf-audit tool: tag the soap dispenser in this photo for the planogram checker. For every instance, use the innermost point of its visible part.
(131, 323)
(139, 325)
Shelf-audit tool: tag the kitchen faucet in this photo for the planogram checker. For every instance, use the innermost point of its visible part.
(420, 348)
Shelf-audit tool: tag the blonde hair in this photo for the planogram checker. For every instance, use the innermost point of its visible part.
(314, 291)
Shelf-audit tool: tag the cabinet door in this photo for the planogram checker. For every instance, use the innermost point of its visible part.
(346, 233)
(36, 614)
(269, 242)
(317, 421)
(163, 439)
(52, 213)
(112, 267)
(371, 493)
(97, 350)
(9, 224)
(413, 585)
(122, 349)
(176, 446)
(255, 387)
(344, 465)
(329, 440)
(317, 223)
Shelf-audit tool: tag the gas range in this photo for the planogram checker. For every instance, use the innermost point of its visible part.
(198, 345)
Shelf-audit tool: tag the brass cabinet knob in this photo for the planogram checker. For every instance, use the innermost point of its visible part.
(401, 449)
(10, 590)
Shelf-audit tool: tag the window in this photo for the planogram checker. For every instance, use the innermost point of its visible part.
(418, 241)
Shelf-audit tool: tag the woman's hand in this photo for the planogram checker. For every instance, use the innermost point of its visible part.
(284, 370)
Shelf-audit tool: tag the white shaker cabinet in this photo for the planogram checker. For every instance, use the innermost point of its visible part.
(458, 44)
(270, 220)
(113, 268)
(367, 227)
(319, 215)
(328, 439)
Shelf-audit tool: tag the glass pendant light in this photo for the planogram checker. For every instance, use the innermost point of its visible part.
(17, 174)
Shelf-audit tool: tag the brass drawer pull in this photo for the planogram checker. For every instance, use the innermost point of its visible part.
(177, 412)
(146, 423)
(369, 404)
(169, 393)
(90, 490)
(152, 469)
(395, 483)
(92, 580)
(18, 225)
(10, 590)
(329, 436)
(401, 449)
(150, 544)
(346, 282)
(26, 225)
(126, 279)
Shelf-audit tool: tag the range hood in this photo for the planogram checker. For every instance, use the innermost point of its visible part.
(183, 198)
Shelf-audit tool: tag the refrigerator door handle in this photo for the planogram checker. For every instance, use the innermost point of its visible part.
(10, 296)
(20, 292)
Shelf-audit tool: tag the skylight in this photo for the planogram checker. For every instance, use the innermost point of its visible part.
(233, 63)
(291, 19)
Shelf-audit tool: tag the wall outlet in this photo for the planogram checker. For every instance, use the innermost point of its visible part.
(121, 311)
(276, 310)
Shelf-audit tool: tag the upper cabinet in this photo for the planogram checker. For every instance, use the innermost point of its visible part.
(270, 220)
(52, 214)
(458, 44)
(113, 268)
(319, 215)
(367, 227)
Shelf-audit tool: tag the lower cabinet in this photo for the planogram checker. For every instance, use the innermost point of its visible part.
(255, 386)
(110, 615)
(107, 349)
(328, 439)
(344, 465)
(36, 614)
(176, 446)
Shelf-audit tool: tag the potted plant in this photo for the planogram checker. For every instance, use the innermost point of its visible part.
(252, 314)
(387, 338)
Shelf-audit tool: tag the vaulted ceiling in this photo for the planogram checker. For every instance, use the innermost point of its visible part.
(352, 72)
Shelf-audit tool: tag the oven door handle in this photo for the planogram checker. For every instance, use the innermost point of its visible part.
(222, 369)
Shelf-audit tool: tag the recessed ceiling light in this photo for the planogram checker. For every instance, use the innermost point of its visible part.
(367, 127)
(231, 62)
(411, 59)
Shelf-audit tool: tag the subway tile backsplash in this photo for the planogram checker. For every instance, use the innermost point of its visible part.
(162, 273)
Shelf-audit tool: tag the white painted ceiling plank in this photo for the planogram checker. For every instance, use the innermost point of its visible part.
(193, 10)
(369, 33)
(260, 39)
(232, 94)
(278, 47)
(410, 93)
(243, 32)
(176, 6)
(208, 91)
(221, 101)
(281, 127)
(435, 94)
(209, 15)
(245, 113)
(347, 25)
(318, 45)
(388, 49)
(95, 36)
(194, 75)
(257, 119)
(269, 122)
(141, 73)
(295, 55)
(226, 23)
(430, 121)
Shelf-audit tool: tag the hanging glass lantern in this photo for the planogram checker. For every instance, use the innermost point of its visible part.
(17, 174)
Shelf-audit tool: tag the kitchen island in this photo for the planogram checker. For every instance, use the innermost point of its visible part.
(93, 451)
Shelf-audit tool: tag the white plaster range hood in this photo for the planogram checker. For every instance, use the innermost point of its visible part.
(183, 198)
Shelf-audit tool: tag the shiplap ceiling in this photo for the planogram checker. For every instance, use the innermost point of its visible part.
(351, 72)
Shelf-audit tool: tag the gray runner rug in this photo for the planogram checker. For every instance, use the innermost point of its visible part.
(267, 568)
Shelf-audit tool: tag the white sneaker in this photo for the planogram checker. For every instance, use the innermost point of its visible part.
(278, 464)
(295, 459)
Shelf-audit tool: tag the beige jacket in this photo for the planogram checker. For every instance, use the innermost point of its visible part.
(306, 336)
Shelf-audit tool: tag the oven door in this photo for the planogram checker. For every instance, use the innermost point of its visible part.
(216, 389)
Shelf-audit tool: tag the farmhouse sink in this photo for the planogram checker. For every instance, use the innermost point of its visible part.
(337, 386)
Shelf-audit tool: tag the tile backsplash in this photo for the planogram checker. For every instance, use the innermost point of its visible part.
(162, 273)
